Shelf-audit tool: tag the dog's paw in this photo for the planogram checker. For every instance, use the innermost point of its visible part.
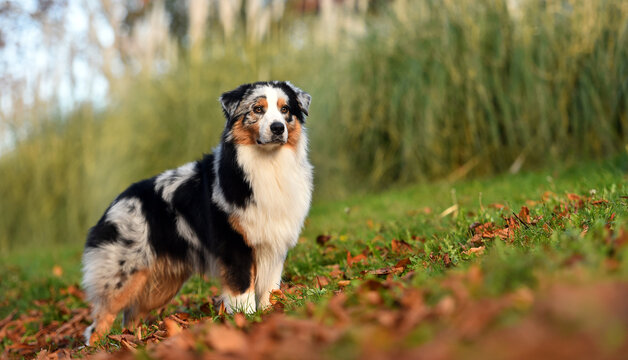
(244, 303)
(88, 334)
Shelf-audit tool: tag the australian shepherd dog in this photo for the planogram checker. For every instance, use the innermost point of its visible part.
(232, 215)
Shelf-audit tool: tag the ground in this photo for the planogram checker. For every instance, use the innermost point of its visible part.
(518, 266)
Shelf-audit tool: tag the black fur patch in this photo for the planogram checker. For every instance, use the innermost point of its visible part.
(234, 185)
(293, 101)
(192, 201)
(230, 101)
(236, 256)
(162, 228)
(102, 233)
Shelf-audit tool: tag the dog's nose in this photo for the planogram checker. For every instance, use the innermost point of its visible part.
(277, 128)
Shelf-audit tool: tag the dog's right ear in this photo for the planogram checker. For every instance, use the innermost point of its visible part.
(231, 99)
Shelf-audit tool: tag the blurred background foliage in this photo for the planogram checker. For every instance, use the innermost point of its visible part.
(403, 91)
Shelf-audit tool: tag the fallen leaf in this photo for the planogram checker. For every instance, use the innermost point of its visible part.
(57, 271)
(475, 250)
(226, 341)
(383, 271)
(277, 297)
(172, 327)
(322, 281)
(445, 306)
(343, 283)
(403, 263)
(240, 320)
(354, 259)
(400, 246)
(446, 260)
(322, 239)
(524, 214)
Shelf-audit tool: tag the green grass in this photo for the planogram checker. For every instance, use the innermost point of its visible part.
(438, 264)
(372, 221)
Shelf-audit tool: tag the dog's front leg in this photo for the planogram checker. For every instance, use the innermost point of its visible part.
(238, 289)
(269, 268)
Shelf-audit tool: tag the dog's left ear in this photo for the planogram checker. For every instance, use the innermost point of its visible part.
(231, 99)
(303, 98)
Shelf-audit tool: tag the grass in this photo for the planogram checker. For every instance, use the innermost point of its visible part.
(437, 240)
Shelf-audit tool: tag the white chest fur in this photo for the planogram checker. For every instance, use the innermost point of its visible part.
(281, 181)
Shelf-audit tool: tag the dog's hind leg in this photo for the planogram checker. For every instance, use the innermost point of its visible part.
(105, 312)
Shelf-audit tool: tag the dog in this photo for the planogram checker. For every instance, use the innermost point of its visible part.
(232, 215)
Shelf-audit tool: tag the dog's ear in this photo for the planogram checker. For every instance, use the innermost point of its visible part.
(303, 98)
(231, 99)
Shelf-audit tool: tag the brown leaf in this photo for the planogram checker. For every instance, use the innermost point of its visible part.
(322, 281)
(373, 297)
(336, 273)
(446, 260)
(57, 271)
(400, 246)
(573, 197)
(277, 297)
(383, 271)
(120, 337)
(475, 250)
(240, 320)
(497, 206)
(403, 263)
(322, 239)
(183, 316)
(128, 346)
(343, 283)
(206, 308)
(226, 341)
(445, 306)
(354, 259)
(524, 214)
(573, 259)
(172, 327)
(336, 307)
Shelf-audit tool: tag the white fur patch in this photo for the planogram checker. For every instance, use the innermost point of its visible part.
(269, 266)
(169, 181)
(244, 302)
(186, 232)
(281, 181)
(103, 265)
(273, 113)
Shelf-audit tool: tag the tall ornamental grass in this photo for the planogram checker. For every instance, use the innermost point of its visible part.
(452, 88)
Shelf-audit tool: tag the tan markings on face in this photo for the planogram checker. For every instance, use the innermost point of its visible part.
(261, 102)
(244, 134)
(294, 132)
(280, 103)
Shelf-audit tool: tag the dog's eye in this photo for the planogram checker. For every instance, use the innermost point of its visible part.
(284, 109)
(258, 109)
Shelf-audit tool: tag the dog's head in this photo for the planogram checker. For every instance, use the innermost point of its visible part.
(265, 114)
